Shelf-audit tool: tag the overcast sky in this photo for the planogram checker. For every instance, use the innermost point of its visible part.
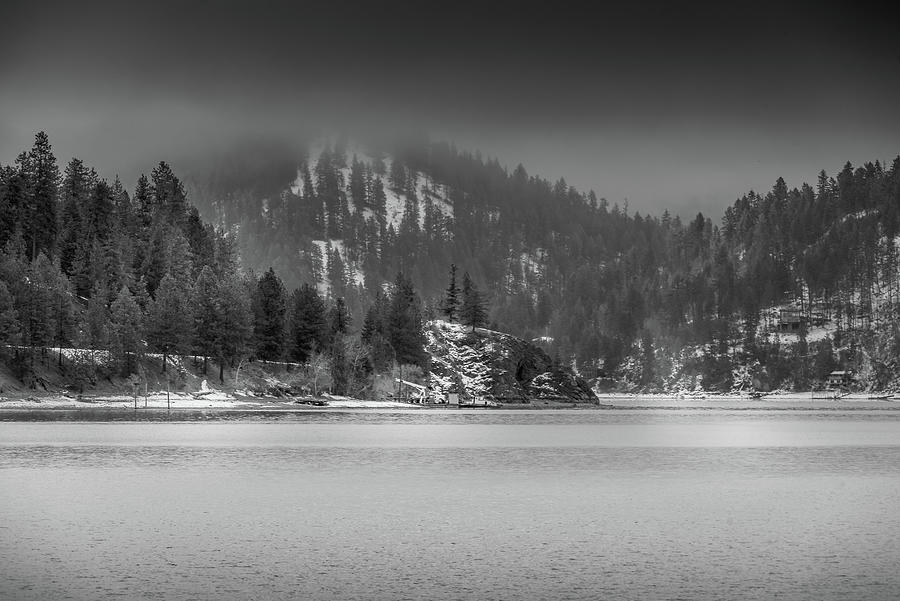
(678, 107)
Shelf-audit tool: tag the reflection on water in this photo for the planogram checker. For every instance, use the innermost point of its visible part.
(555, 506)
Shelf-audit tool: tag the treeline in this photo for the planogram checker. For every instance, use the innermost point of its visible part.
(87, 266)
(649, 299)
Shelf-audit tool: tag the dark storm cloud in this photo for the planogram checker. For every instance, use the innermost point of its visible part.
(683, 106)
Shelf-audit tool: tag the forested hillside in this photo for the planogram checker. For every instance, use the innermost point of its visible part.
(642, 301)
(108, 278)
(340, 256)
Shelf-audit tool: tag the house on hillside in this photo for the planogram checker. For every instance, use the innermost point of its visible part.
(839, 379)
(818, 314)
(790, 320)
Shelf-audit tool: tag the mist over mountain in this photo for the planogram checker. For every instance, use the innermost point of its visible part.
(674, 107)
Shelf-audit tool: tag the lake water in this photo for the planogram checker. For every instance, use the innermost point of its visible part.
(642, 505)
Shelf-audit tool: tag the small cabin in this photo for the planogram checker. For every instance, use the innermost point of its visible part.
(790, 320)
(452, 399)
(839, 379)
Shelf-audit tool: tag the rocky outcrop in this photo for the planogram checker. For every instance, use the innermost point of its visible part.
(496, 366)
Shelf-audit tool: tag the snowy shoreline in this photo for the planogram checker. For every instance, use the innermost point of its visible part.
(180, 401)
(224, 401)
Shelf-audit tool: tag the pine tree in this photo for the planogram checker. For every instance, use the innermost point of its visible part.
(339, 321)
(168, 195)
(472, 313)
(139, 289)
(77, 186)
(328, 191)
(208, 327)
(152, 266)
(100, 212)
(124, 211)
(357, 185)
(308, 324)
(179, 260)
(397, 177)
(337, 275)
(10, 327)
(143, 202)
(95, 321)
(648, 360)
(170, 319)
(374, 333)
(126, 330)
(15, 273)
(379, 199)
(39, 218)
(450, 304)
(12, 197)
(338, 318)
(269, 309)
(237, 320)
(50, 308)
(339, 368)
(201, 240)
(404, 324)
(226, 260)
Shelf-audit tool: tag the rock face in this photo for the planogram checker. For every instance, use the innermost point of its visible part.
(496, 366)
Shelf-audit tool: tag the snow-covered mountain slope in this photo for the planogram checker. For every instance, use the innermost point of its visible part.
(426, 189)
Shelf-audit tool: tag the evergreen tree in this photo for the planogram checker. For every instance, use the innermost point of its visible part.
(328, 191)
(170, 320)
(337, 275)
(201, 240)
(143, 202)
(339, 368)
(472, 312)
(124, 211)
(237, 320)
(269, 309)
(39, 216)
(338, 318)
(77, 186)
(379, 198)
(10, 328)
(179, 260)
(648, 360)
(152, 267)
(12, 197)
(126, 330)
(372, 323)
(404, 324)
(397, 178)
(450, 303)
(357, 185)
(57, 294)
(374, 333)
(308, 325)
(95, 321)
(208, 323)
(226, 260)
(167, 193)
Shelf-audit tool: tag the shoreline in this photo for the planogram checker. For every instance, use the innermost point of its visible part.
(226, 406)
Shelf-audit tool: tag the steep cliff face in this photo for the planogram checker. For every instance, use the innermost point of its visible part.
(496, 366)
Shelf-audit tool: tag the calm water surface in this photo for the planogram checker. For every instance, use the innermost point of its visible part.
(461, 505)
